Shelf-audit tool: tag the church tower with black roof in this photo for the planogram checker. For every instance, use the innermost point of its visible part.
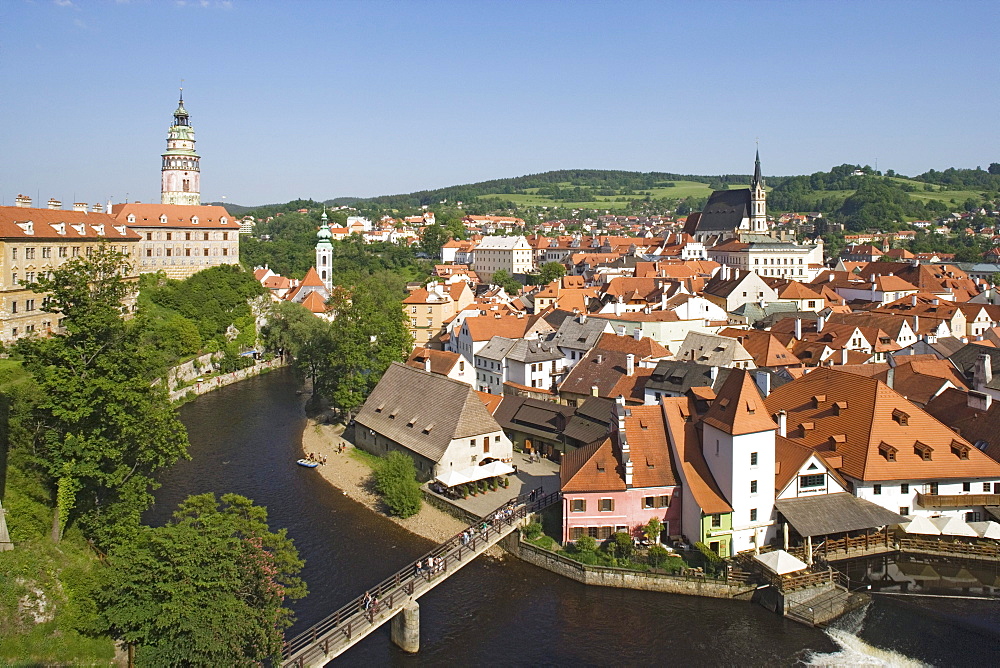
(758, 200)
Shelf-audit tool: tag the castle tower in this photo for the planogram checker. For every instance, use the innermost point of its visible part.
(324, 253)
(758, 201)
(180, 181)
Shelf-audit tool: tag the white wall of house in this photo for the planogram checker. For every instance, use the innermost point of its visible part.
(899, 495)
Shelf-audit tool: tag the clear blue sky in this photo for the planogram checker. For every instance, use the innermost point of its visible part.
(324, 99)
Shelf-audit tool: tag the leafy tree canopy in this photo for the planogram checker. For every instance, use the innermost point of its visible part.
(206, 589)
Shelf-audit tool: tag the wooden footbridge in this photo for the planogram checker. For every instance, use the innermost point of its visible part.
(395, 598)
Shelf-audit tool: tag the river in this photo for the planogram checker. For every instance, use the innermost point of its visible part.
(245, 439)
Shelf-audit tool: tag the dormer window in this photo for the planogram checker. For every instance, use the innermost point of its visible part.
(223, 220)
(839, 406)
(903, 419)
(818, 400)
(194, 220)
(131, 218)
(887, 451)
(923, 451)
(961, 450)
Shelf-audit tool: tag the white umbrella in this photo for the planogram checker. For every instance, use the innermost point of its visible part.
(780, 562)
(452, 478)
(496, 468)
(918, 524)
(952, 526)
(988, 529)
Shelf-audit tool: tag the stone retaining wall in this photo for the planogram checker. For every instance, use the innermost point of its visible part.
(602, 576)
(216, 382)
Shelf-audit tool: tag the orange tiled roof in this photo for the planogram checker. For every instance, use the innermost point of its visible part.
(878, 433)
(738, 409)
(177, 215)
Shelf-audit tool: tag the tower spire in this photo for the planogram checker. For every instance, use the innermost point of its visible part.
(180, 169)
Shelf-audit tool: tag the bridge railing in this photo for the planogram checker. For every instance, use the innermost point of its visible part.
(402, 584)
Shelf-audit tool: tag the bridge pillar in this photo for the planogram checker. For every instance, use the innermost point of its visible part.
(405, 628)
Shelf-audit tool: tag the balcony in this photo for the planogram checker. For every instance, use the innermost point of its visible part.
(957, 500)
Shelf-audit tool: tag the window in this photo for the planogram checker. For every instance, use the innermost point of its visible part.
(716, 521)
(187, 251)
(13, 277)
(934, 488)
(753, 486)
(753, 459)
(606, 505)
(62, 251)
(876, 489)
(575, 533)
(648, 501)
(413, 309)
(577, 505)
(472, 442)
(149, 252)
(76, 251)
(29, 305)
(904, 510)
(603, 533)
(29, 253)
(904, 488)
(986, 487)
(206, 255)
(13, 331)
(225, 251)
(13, 306)
(169, 236)
(170, 251)
(813, 480)
(753, 514)
(966, 486)
(187, 236)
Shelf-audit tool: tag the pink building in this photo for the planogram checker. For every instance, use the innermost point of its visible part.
(622, 482)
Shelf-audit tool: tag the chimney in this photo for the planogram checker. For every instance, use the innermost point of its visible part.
(913, 300)
(600, 358)
(890, 377)
(427, 363)
(637, 334)
(713, 374)
(843, 355)
(979, 400)
(54, 203)
(621, 330)
(820, 323)
(629, 364)
(80, 207)
(782, 423)
(22, 202)
(593, 390)
(982, 373)
(583, 318)
(798, 328)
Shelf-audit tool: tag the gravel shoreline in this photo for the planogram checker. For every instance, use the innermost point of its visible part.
(351, 476)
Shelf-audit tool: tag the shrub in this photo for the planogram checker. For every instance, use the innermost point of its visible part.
(532, 531)
(657, 555)
(396, 480)
(620, 545)
(586, 544)
(653, 529)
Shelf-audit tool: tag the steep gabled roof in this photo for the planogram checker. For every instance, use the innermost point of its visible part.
(679, 413)
(738, 408)
(592, 468)
(312, 279)
(424, 411)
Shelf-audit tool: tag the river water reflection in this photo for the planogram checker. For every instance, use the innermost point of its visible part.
(245, 439)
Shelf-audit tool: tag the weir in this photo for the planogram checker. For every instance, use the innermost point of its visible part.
(395, 598)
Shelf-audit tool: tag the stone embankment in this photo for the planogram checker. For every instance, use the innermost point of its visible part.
(215, 382)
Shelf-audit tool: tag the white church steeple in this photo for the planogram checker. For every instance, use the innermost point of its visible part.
(324, 253)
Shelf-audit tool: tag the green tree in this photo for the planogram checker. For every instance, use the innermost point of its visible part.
(396, 480)
(206, 589)
(433, 237)
(105, 427)
(551, 271)
(369, 333)
(503, 279)
(657, 554)
(586, 543)
(620, 545)
(294, 330)
(653, 529)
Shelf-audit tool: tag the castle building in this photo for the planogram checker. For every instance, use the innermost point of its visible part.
(35, 242)
(180, 181)
(180, 236)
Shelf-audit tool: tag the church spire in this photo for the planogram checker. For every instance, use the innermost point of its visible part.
(756, 171)
(758, 200)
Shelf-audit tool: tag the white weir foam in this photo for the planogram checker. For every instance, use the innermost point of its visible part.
(853, 650)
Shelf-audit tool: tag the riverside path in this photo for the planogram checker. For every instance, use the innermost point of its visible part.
(395, 597)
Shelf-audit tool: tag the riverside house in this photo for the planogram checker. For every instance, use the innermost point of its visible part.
(621, 482)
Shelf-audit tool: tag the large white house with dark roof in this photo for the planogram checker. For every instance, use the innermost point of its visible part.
(441, 423)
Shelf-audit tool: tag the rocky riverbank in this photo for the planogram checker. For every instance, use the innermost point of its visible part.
(352, 477)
